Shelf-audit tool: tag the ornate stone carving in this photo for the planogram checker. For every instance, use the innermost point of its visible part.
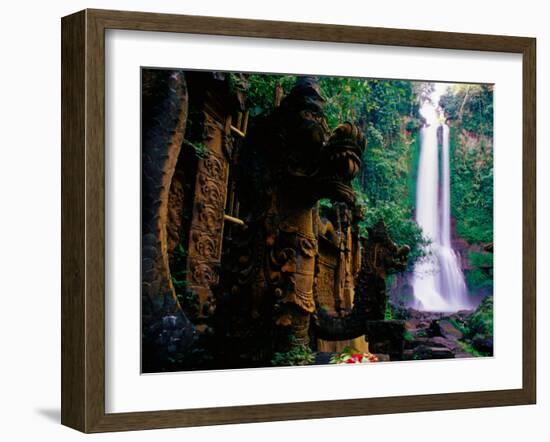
(206, 245)
(211, 192)
(214, 168)
(209, 217)
(326, 275)
(206, 227)
(202, 274)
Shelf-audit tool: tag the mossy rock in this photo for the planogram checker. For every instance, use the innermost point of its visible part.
(479, 327)
(481, 321)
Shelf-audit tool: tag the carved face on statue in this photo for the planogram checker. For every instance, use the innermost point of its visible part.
(341, 161)
(305, 130)
(322, 164)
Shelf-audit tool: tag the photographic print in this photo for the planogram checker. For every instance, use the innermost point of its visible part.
(292, 220)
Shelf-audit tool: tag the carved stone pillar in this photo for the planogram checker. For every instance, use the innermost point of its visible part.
(206, 227)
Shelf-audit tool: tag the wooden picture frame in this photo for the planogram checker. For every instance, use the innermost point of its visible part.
(83, 220)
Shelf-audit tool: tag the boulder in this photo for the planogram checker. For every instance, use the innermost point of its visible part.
(449, 330)
(440, 341)
(445, 328)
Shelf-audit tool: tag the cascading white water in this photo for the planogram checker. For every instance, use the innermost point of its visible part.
(438, 281)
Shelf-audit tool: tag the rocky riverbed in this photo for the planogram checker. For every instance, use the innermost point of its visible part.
(432, 335)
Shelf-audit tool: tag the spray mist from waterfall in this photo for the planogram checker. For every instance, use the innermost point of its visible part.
(438, 282)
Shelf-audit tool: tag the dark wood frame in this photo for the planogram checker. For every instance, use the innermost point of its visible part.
(83, 216)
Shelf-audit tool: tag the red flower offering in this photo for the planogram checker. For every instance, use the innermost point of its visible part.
(351, 356)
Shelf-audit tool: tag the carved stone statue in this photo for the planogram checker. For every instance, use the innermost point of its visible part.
(289, 163)
(380, 257)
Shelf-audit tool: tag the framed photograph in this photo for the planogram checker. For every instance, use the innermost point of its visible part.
(267, 220)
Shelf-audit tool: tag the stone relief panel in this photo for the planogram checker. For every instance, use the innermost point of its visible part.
(325, 282)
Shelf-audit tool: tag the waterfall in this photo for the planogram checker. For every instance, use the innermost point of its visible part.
(438, 282)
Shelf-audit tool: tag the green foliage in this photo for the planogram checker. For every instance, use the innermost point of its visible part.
(377, 106)
(460, 326)
(398, 218)
(386, 189)
(386, 184)
(480, 274)
(388, 314)
(188, 299)
(478, 327)
(472, 188)
(481, 259)
(297, 355)
(199, 149)
(346, 98)
(414, 153)
(408, 336)
(325, 203)
(412, 126)
(178, 268)
(261, 91)
(472, 106)
(481, 321)
(469, 348)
